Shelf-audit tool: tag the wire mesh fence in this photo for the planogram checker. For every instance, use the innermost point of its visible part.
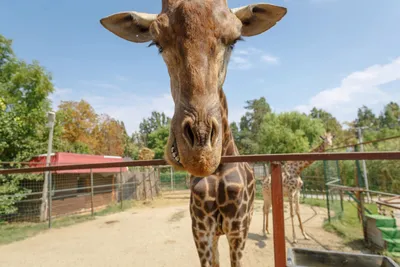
(171, 180)
(46, 195)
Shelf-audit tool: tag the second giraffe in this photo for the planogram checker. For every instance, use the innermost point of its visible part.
(292, 184)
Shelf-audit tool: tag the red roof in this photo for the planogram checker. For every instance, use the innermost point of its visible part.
(63, 158)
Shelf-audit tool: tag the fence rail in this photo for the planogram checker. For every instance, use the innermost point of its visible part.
(390, 155)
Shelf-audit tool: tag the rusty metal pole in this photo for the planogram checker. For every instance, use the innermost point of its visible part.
(278, 216)
(363, 218)
(91, 192)
(121, 189)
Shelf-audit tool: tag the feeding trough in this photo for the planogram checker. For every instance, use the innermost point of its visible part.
(298, 257)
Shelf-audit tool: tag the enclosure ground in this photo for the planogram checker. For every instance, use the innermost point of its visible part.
(156, 234)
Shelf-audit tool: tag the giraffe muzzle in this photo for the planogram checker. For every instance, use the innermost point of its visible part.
(198, 135)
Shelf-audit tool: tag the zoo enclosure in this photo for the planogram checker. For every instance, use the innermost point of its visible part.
(71, 192)
(277, 190)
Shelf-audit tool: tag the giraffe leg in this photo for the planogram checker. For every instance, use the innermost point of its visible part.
(206, 242)
(236, 246)
(267, 207)
(292, 216)
(297, 206)
(215, 252)
(264, 227)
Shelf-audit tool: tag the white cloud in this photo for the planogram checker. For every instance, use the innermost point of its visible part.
(322, 1)
(58, 95)
(246, 58)
(270, 59)
(357, 89)
(100, 84)
(241, 63)
(130, 108)
(235, 113)
(121, 78)
(121, 105)
(242, 52)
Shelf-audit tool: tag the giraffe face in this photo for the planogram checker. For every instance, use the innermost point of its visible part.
(195, 39)
(328, 139)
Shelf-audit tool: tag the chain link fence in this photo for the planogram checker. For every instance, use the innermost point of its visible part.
(43, 196)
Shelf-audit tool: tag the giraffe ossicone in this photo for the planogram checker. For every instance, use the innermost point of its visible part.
(195, 39)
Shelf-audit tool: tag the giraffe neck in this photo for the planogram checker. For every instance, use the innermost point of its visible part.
(304, 164)
(229, 147)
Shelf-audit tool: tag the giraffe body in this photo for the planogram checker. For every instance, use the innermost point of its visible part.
(195, 39)
(222, 204)
(292, 184)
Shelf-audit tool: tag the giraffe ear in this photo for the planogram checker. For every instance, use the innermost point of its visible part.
(132, 26)
(258, 18)
(322, 137)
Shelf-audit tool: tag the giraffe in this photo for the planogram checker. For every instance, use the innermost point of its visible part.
(195, 39)
(292, 184)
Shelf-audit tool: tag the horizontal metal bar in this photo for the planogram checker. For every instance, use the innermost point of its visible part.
(70, 196)
(346, 188)
(225, 159)
(382, 193)
(387, 205)
(29, 200)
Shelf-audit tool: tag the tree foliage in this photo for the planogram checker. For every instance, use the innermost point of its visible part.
(157, 141)
(288, 132)
(79, 126)
(331, 124)
(151, 124)
(24, 103)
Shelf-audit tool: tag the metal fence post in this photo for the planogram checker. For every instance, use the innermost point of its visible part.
(364, 220)
(144, 184)
(50, 197)
(172, 179)
(91, 191)
(341, 183)
(327, 191)
(278, 216)
(149, 172)
(121, 189)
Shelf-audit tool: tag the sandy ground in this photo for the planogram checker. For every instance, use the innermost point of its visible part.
(156, 235)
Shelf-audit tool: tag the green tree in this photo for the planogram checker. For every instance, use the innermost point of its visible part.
(151, 124)
(250, 125)
(157, 141)
(331, 124)
(289, 132)
(390, 117)
(257, 109)
(24, 103)
(366, 117)
(78, 124)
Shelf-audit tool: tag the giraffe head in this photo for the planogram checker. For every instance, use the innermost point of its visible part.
(328, 138)
(195, 38)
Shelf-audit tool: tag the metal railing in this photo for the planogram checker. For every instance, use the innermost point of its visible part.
(277, 190)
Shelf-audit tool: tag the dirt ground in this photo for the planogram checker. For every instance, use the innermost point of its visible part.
(156, 235)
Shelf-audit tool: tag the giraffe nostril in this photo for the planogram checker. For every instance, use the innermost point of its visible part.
(188, 131)
(214, 132)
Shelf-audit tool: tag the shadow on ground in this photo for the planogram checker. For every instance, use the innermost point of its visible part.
(259, 238)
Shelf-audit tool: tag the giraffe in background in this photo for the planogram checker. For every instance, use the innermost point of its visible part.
(292, 184)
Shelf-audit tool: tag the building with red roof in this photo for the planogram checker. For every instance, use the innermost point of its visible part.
(71, 189)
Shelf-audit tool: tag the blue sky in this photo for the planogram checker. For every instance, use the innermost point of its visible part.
(333, 54)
